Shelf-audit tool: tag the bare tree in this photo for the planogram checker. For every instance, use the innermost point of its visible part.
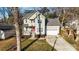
(16, 18)
(2, 11)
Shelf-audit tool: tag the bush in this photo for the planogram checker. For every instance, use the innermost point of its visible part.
(51, 15)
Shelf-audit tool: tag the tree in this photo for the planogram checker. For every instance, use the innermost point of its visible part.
(2, 11)
(44, 11)
(5, 11)
(16, 18)
(8, 10)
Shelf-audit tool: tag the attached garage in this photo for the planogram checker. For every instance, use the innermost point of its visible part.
(53, 26)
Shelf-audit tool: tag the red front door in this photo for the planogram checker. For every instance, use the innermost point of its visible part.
(33, 29)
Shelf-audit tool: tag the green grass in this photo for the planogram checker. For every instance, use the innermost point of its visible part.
(35, 45)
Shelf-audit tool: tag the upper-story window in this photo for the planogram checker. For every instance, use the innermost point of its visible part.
(39, 21)
(25, 21)
(32, 22)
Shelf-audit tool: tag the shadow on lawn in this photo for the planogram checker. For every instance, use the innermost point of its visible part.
(29, 45)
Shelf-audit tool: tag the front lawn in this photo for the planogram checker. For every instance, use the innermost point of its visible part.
(35, 45)
(6, 44)
(26, 45)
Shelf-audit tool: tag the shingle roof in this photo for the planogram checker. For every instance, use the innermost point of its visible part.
(6, 27)
(53, 22)
(28, 15)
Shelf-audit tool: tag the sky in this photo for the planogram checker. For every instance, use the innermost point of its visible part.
(22, 9)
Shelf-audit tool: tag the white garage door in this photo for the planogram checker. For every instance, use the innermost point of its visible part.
(54, 30)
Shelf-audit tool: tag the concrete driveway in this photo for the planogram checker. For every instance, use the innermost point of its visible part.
(59, 43)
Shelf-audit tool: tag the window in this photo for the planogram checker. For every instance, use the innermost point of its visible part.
(25, 21)
(26, 25)
(39, 21)
(25, 29)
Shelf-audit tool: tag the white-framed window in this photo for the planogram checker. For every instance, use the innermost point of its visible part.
(25, 21)
(39, 21)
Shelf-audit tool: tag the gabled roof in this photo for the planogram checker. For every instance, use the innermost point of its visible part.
(29, 14)
(53, 22)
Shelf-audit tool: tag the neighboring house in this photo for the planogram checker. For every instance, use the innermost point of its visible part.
(33, 22)
(6, 31)
(53, 26)
(73, 24)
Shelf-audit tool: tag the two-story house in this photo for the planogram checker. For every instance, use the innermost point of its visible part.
(33, 23)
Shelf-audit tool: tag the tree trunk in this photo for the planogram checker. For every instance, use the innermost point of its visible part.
(16, 18)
